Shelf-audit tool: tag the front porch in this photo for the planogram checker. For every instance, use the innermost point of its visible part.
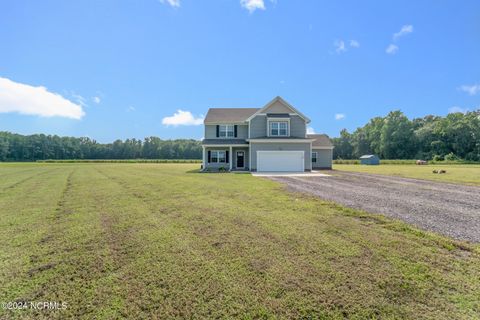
(226, 158)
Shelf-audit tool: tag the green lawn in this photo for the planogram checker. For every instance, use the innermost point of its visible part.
(456, 173)
(161, 241)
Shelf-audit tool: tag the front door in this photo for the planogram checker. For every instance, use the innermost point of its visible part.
(240, 159)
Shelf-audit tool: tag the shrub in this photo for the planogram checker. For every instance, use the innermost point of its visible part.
(451, 157)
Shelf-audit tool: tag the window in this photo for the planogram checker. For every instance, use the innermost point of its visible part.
(226, 130)
(278, 128)
(314, 157)
(217, 156)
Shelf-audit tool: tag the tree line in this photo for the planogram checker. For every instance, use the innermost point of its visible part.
(455, 136)
(16, 147)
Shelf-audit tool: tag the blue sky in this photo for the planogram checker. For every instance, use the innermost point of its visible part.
(116, 69)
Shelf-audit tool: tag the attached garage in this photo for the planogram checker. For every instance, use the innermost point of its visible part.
(283, 161)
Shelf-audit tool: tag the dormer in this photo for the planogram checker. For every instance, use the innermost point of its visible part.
(277, 119)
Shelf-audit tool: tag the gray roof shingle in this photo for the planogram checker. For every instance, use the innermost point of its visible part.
(219, 115)
(321, 140)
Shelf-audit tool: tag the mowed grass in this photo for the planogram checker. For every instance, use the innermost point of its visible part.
(160, 241)
(456, 173)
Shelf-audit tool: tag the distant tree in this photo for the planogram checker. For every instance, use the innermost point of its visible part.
(3, 148)
(397, 140)
(15, 147)
(360, 143)
(343, 145)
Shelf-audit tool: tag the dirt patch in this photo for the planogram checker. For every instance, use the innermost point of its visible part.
(448, 209)
(41, 268)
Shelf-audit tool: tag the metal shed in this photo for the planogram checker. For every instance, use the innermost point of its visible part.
(370, 159)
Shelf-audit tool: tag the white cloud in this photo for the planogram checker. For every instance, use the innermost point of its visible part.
(38, 101)
(252, 5)
(97, 100)
(310, 130)
(80, 100)
(391, 49)
(339, 116)
(339, 46)
(130, 109)
(406, 29)
(173, 3)
(457, 109)
(354, 44)
(471, 90)
(182, 118)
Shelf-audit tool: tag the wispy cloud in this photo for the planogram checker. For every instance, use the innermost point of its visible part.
(310, 130)
(182, 118)
(96, 99)
(339, 46)
(354, 44)
(131, 109)
(173, 3)
(471, 89)
(80, 100)
(252, 5)
(391, 49)
(406, 29)
(29, 100)
(339, 116)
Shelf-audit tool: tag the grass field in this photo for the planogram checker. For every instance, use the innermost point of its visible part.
(456, 173)
(157, 241)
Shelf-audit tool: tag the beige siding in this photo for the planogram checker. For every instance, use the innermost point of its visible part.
(278, 107)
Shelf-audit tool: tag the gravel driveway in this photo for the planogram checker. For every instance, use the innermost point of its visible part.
(449, 209)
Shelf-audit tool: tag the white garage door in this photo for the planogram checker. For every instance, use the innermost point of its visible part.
(280, 161)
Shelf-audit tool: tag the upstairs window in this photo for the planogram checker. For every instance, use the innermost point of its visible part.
(226, 131)
(278, 128)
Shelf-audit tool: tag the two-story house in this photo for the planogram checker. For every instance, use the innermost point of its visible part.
(269, 139)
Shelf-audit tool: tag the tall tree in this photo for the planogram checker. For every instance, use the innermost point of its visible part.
(397, 138)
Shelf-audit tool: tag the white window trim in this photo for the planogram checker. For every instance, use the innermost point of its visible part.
(218, 158)
(227, 127)
(323, 148)
(316, 156)
(269, 120)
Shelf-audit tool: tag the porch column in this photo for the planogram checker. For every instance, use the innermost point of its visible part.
(231, 158)
(203, 158)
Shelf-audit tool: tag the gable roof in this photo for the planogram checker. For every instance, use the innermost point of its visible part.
(281, 100)
(320, 140)
(219, 115)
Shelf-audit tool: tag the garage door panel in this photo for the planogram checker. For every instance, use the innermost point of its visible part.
(282, 161)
